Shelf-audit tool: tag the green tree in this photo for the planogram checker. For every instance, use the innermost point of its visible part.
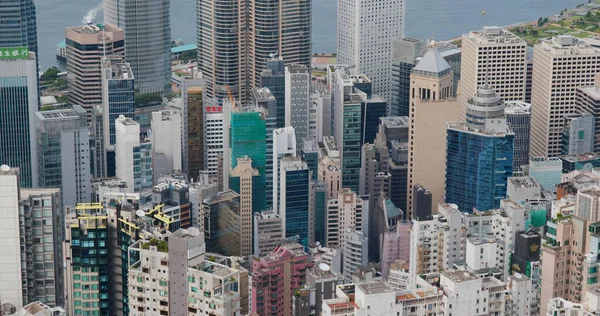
(189, 55)
(540, 22)
(50, 74)
(147, 99)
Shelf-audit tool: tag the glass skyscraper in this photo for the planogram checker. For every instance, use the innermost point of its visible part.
(18, 104)
(479, 156)
(274, 79)
(118, 95)
(147, 27)
(248, 138)
(19, 25)
(295, 206)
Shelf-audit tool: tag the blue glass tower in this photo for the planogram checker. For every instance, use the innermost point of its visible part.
(479, 154)
(18, 25)
(295, 204)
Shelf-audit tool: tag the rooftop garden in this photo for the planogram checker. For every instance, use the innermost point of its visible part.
(161, 245)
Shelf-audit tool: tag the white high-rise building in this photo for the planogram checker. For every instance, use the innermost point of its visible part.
(343, 213)
(133, 156)
(10, 246)
(166, 140)
(297, 99)
(355, 249)
(284, 144)
(213, 140)
(365, 30)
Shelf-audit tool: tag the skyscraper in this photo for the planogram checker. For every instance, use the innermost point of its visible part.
(518, 117)
(222, 223)
(263, 98)
(278, 28)
(274, 78)
(588, 100)
(18, 103)
(479, 154)
(118, 95)
(364, 38)
(64, 153)
(554, 88)
(295, 206)
(284, 144)
(19, 27)
(578, 134)
(86, 47)
(166, 142)
(297, 99)
(194, 156)
(432, 105)
(133, 155)
(242, 179)
(147, 29)
(248, 138)
(222, 49)
(404, 52)
(494, 56)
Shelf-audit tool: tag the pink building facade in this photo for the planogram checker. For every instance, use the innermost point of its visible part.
(396, 246)
(276, 277)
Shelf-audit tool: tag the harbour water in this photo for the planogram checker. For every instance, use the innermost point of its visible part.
(441, 19)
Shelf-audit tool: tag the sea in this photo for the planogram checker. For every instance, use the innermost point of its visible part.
(438, 19)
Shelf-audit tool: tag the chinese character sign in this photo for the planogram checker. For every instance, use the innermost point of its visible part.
(14, 53)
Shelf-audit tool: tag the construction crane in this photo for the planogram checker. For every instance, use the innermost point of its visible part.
(231, 99)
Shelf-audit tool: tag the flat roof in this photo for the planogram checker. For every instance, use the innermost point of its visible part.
(375, 288)
(183, 48)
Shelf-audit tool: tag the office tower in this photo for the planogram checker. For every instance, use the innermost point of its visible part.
(587, 99)
(202, 188)
(133, 155)
(295, 206)
(20, 27)
(19, 92)
(148, 40)
(278, 275)
(243, 177)
(166, 140)
(86, 46)
(297, 99)
(248, 138)
(323, 115)
(310, 154)
(118, 95)
(280, 28)
(364, 38)
(263, 98)
(98, 144)
(320, 206)
(11, 287)
(479, 154)
(526, 256)
(547, 172)
(404, 52)
(347, 127)
(355, 248)
(284, 144)
(222, 223)
(273, 78)
(193, 154)
(268, 232)
(494, 56)
(422, 204)
(518, 117)
(86, 234)
(372, 110)
(43, 284)
(222, 49)
(344, 212)
(432, 106)
(63, 154)
(578, 133)
(551, 97)
(213, 139)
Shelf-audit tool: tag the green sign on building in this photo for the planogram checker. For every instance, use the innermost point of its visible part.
(14, 53)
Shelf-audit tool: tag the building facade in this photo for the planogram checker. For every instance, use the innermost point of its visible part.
(552, 61)
(118, 95)
(297, 99)
(64, 153)
(364, 38)
(148, 41)
(295, 207)
(133, 155)
(86, 45)
(518, 117)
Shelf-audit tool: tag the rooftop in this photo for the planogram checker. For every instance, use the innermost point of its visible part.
(592, 191)
(263, 94)
(94, 29)
(592, 91)
(460, 126)
(74, 112)
(433, 63)
(375, 288)
(480, 240)
(562, 45)
(517, 107)
(119, 68)
(523, 182)
(459, 276)
(395, 121)
(222, 196)
(580, 157)
(494, 35)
